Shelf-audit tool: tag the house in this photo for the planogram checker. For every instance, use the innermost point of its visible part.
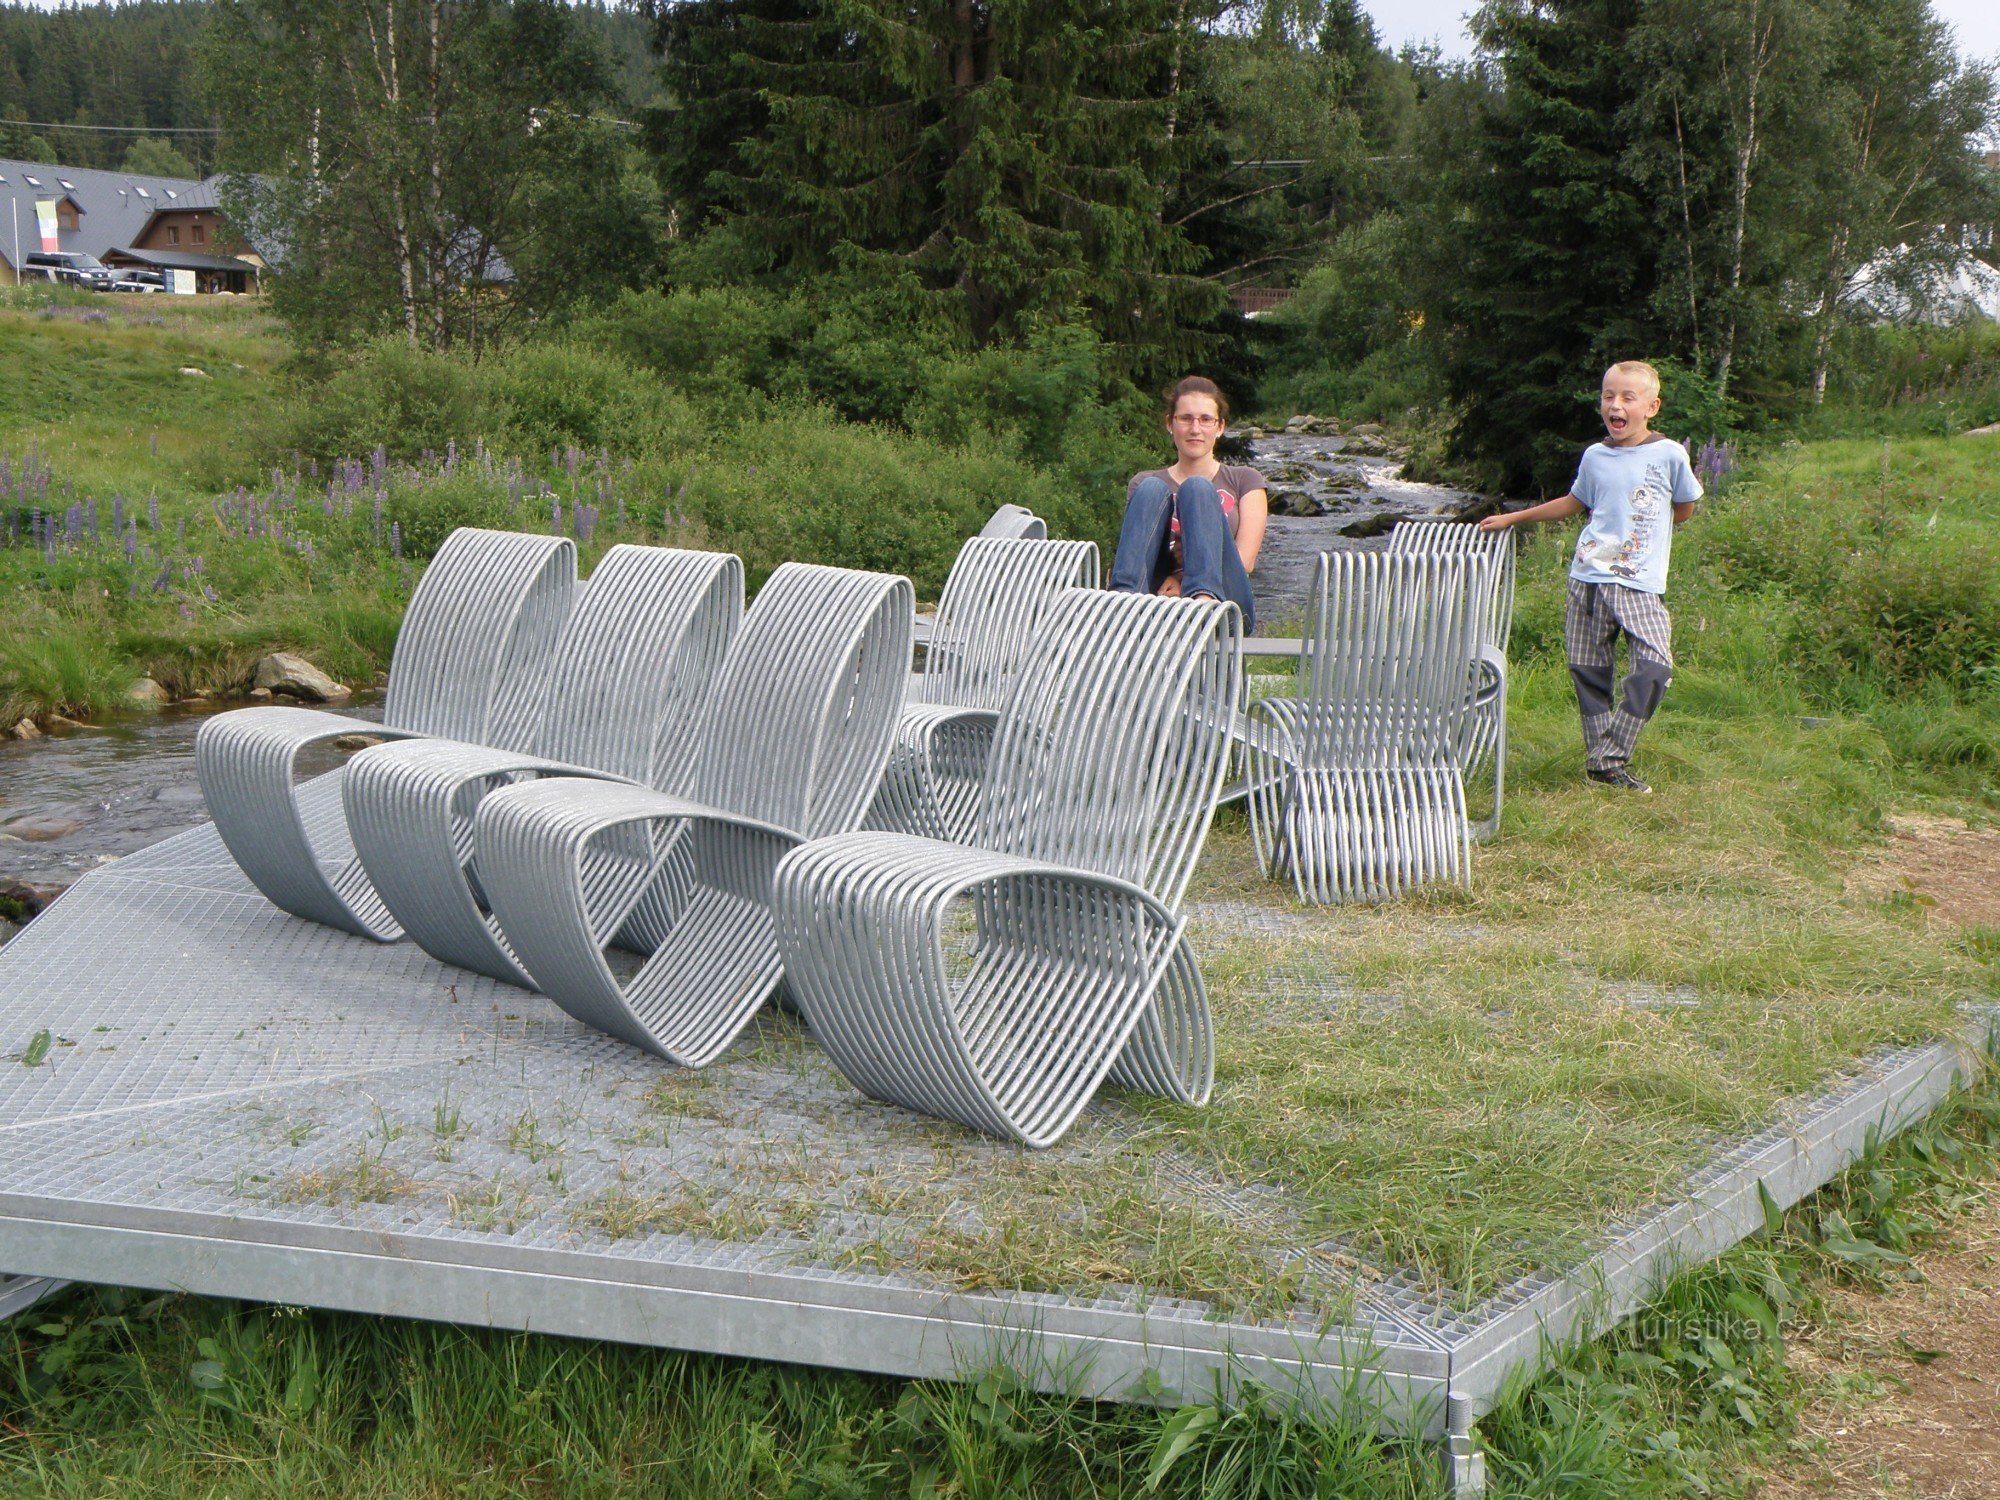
(167, 223)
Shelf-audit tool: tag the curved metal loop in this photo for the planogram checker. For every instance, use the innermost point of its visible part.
(1000, 984)
(471, 654)
(994, 607)
(1016, 521)
(797, 732)
(1485, 745)
(632, 676)
(1356, 791)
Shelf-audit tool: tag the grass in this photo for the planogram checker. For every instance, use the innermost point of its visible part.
(106, 1390)
(1467, 1086)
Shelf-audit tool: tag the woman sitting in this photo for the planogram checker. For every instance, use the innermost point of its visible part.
(1194, 528)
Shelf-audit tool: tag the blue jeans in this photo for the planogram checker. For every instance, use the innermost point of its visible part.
(1210, 563)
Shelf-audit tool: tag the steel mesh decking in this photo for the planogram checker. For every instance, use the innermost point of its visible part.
(238, 1102)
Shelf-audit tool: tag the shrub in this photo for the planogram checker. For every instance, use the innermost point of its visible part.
(404, 399)
(552, 395)
(1911, 614)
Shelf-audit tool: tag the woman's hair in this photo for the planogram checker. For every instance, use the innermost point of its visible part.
(1197, 385)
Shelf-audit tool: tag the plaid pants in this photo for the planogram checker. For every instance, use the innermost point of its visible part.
(1596, 614)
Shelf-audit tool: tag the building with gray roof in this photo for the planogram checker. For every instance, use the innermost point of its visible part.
(102, 212)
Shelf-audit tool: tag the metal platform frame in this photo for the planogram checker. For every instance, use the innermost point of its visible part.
(140, 1152)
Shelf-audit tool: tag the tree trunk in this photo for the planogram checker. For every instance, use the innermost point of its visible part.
(1746, 158)
(440, 255)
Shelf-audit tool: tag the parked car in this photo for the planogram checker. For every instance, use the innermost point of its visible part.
(139, 281)
(70, 268)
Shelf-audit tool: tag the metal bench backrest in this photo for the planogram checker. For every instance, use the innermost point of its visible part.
(1465, 539)
(1390, 641)
(802, 718)
(472, 656)
(1111, 751)
(993, 610)
(637, 660)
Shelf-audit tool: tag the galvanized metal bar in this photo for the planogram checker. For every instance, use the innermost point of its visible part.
(631, 677)
(469, 664)
(1099, 792)
(797, 733)
(994, 608)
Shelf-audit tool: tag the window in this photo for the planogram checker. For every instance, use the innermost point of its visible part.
(200, 232)
(67, 185)
(65, 215)
(140, 191)
(173, 234)
(172, 194)
(31, 181)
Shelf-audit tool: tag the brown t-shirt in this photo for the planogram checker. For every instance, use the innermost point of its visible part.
(1232, 482)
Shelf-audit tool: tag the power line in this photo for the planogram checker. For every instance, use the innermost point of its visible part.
(120, 129)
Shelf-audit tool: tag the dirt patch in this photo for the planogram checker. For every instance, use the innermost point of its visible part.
(1951, 869)
(1907, 1385)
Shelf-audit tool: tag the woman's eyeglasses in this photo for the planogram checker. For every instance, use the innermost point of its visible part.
(1192, 419)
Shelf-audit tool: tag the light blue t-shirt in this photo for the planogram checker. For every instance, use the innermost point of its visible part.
(1630, 494)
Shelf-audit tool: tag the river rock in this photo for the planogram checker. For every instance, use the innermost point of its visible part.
(295, 677)
(28, 896)
(1376, 525)
(147, 693)
(33, 830)
(27, 729)
(1991, 429)
(356, 741)
(1295, 503)
(260, 695)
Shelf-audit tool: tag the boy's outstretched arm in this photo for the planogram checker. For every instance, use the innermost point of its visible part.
(1548, 510)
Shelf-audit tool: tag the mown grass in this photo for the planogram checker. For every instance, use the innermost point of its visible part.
(111, 1390)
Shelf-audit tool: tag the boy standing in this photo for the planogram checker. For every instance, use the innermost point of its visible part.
(1629, 484)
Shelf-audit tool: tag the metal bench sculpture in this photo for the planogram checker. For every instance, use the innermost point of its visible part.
(1100, 790)
(1016, 521)
(1485, 747)
(630, 680)
(992, 612)
(469, 664)
(794, 742)
(1355, 786)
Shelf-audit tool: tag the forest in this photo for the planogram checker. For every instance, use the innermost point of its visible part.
(1735, 191)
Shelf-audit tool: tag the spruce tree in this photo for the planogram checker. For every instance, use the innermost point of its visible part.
(1012, 154)
(1546, 251)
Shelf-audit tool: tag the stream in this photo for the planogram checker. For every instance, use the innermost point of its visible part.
(81, 798)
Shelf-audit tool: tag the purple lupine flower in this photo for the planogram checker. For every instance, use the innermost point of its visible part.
(152, 512)
(586, 522)
(451, 456)
(131, 543)
(117, 514)
(395, 538)
(555, 515)
(90, 520)
(73, 524)
(186, 612)
(572, 458)
(166, 577)
(378, 518)
(378, 464)
(209, 594)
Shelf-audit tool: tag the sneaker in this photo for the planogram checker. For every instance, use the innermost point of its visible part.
(1624, 780)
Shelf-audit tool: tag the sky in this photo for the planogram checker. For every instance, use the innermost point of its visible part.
(1977, 23)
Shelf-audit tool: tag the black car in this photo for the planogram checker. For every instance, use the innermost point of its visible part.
(69, 268)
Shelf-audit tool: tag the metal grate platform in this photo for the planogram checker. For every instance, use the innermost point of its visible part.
(239, 1103)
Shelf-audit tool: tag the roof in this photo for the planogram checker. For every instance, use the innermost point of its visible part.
(114, 207)
(183, 260)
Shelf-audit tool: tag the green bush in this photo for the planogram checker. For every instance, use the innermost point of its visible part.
(717, 344)
(558, 394)
(404, 399)
(1909, 614)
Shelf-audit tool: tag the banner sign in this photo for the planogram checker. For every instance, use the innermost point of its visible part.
(45, 211)
(182, 282)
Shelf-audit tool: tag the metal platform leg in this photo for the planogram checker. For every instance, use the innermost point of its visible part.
(19, 1293)
(1464, 1464)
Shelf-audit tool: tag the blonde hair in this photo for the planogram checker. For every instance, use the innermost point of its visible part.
(1639, 368)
